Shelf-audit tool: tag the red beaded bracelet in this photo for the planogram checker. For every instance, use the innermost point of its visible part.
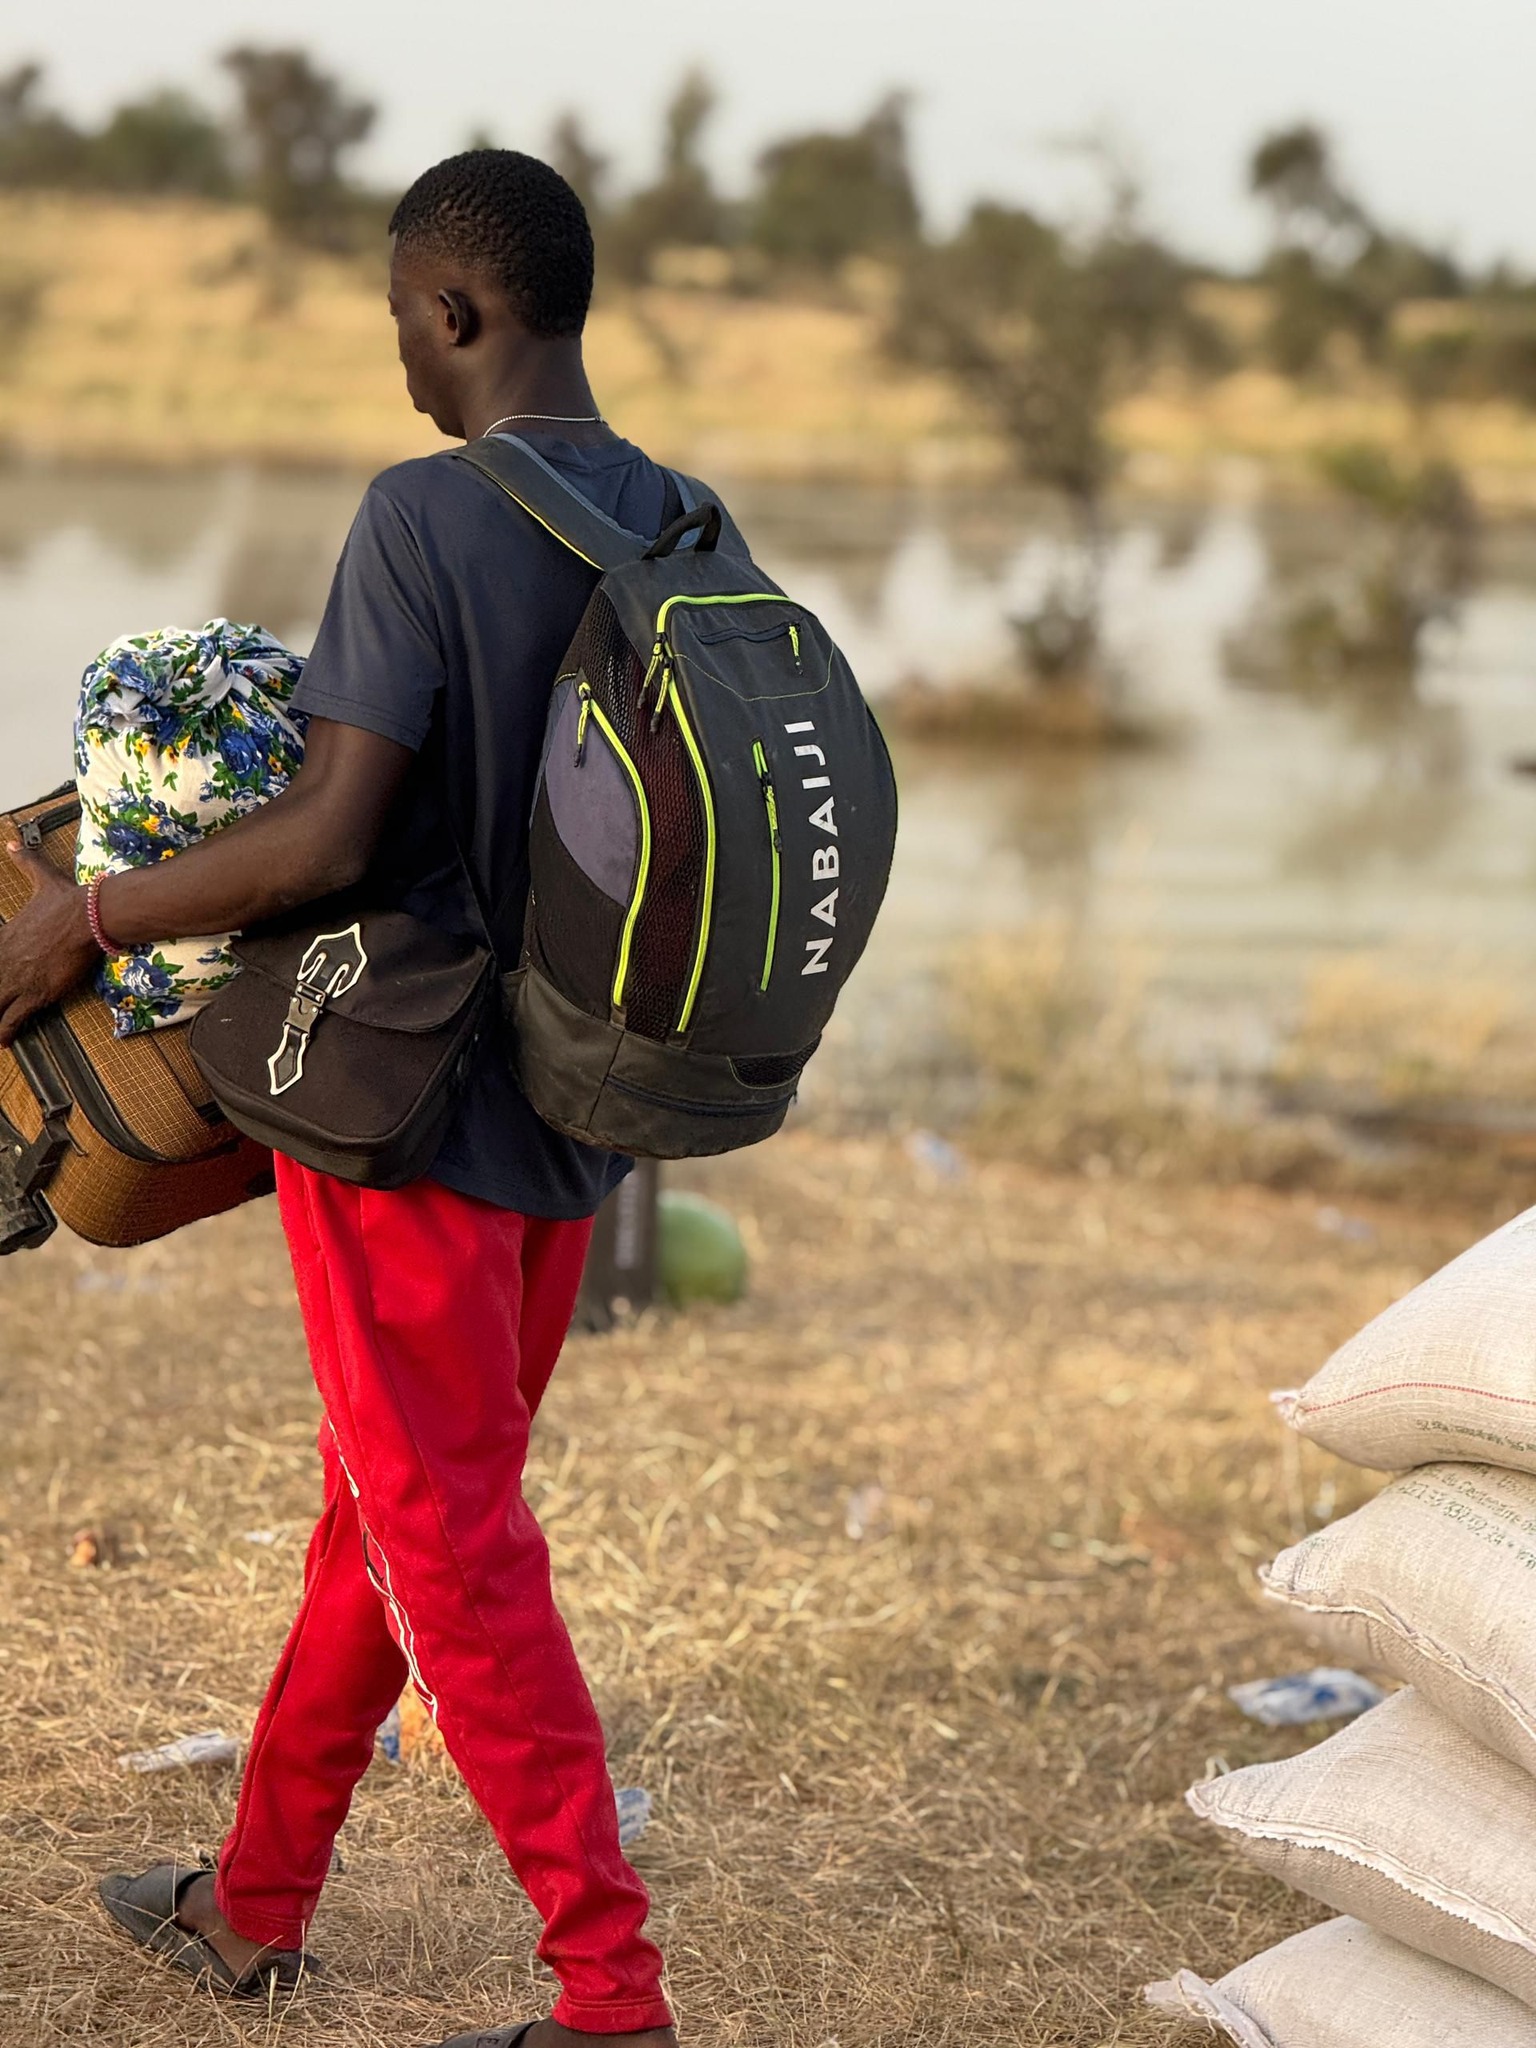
(93, 914)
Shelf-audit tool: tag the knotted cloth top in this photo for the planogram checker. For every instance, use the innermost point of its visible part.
(179, 732)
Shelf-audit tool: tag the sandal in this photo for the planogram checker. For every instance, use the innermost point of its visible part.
(499, 2037)
(145, 1908)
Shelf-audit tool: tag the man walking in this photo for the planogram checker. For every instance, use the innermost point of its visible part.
(435, 1312)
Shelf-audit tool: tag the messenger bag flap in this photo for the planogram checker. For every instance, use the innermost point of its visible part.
(384, 969)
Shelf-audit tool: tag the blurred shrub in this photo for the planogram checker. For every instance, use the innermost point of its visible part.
(21, 302)
(1489, 354)
(1394, 1031)
(164, 143)
(1058, 1041)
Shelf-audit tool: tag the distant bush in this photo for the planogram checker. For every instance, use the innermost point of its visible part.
(164, 143)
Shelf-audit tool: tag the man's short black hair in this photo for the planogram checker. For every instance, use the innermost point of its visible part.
(516, 221)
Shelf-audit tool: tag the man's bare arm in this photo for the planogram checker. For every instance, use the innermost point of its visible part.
(318, 836)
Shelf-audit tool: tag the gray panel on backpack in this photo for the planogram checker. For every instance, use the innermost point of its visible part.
(592, 802)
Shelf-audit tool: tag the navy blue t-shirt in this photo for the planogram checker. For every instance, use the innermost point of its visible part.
(444, 630)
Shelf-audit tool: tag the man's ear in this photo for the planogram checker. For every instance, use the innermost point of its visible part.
(462, 316)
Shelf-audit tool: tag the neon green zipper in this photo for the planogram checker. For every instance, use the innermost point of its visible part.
(775, 845)
(743, 597)
(669, 693)
(592, 709)
(707, 907)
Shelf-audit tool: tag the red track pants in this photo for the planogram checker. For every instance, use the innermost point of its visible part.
(434, 1322)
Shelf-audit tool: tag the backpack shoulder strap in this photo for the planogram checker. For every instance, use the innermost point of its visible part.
(545, 496)
(560, 508)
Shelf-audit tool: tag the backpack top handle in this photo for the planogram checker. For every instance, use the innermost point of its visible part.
(705, 519)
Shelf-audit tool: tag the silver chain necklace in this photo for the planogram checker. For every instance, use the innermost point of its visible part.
(564, 419)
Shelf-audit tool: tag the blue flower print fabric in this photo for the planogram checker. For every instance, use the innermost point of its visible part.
(178, 733)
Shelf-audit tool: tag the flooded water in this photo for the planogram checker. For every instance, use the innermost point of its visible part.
(1264, 829)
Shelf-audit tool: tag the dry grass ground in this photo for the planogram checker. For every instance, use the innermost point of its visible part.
(163, 332)
(919, 1784)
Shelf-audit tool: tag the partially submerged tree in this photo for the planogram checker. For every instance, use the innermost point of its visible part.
(1418, 554)
(1404, 563)
(1043, 334)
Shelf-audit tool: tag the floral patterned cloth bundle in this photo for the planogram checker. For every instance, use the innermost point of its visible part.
(179, 733)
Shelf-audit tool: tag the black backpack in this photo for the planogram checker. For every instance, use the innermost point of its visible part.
(712, 834)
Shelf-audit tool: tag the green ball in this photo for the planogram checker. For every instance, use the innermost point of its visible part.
(699, 1252)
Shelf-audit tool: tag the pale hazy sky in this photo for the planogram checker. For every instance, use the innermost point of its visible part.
(1431, 99)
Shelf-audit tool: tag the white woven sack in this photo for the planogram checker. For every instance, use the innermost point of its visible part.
(1407, 1823)
(1434, 1581)
(1447, 1372)
(1343, 1985)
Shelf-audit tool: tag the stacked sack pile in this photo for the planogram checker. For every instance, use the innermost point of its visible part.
(1418, 1821)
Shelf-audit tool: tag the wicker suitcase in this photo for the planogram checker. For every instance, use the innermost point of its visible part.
(120, 1138)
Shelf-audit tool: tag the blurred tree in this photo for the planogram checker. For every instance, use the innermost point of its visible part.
(1000, 255)
(583, 168)
(1293, 172)
(1332, 271)
(163, 143)
(1043, 335)
(299, 124)
(682, 208)
(37, 145)
(825, 197)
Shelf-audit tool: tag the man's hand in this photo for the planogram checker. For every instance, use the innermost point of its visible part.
(319, 835)
(47, 948)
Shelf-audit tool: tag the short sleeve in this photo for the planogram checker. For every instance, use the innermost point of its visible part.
(377, 661)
